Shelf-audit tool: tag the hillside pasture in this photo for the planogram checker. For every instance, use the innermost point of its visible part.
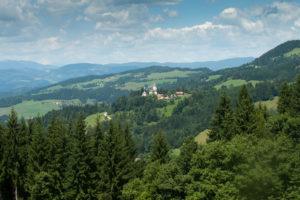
(202, 137)
(28, 109)
(235, 83)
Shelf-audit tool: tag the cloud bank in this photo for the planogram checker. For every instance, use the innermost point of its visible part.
(107, 31)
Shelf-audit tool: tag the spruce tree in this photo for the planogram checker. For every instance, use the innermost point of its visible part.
(23, 142)
(296, 98)
(285, 98)
(160, 149)
(55, 155)
(5, 184)
(187, 150)
(116, 160)
(221, 123)
(78, 169)
(11, 158)
(36, 152)
(245, 116)
(97, 142)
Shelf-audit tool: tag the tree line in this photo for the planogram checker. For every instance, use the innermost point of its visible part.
(250, 154)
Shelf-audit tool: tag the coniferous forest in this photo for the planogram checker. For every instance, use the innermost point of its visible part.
(250, 154)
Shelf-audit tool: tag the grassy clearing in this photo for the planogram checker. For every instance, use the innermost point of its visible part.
(235, 83)
(91, 119)
(231, 83)
(29, 109)
(271, 104)
(295, 51)
(98, 83)
(213, 77)
(168, 110)
(202, 137)
(171, 74)
(138, 85)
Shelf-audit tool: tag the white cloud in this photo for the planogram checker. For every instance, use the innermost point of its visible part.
(62, 6)
(297, 23)
(170, 13)
(16, 17)
(125, 30)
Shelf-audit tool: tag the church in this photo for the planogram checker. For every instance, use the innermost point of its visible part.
(152, 90)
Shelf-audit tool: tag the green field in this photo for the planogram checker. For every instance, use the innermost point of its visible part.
(213, 77)
(202, 137)
(171, 74)
(99, 83)
(295, 51)
(29, 109)
(271, 104)
(91, 119)
(235, 83)
(168, 110)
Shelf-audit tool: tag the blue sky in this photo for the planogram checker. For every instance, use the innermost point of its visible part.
(117, 31)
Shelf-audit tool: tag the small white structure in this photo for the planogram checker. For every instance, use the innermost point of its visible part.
(144, 94)
(106, 116)
(152, 90)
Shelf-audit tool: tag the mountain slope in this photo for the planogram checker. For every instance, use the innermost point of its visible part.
(277, 65)
(27, 74)
(97, 88)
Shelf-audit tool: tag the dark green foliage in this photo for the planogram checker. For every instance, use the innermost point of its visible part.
(187, 150)
(78, 168)
(44, 187)
(296, 99)
(56, 155)
(23, 142)
(244, 117)
(221, 123)
(11, 159)
(36, 152)
(117, 159)
(160, 149)
(285, 98)
(260, 159)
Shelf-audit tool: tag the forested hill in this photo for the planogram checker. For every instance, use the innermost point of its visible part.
(95, 88)
(265, 73)
(280, 63)
(249, 154)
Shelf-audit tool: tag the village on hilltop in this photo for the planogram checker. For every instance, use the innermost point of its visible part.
(152, 91)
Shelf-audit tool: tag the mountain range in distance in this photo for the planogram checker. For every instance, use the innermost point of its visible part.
(266, 73)
(18, 77)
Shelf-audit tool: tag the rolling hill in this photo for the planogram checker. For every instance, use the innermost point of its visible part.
(96, 88)
(264, 75)
(18, 77)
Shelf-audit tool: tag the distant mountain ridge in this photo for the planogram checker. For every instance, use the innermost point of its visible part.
(27, 74)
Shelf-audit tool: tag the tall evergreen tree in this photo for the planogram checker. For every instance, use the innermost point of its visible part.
(78, 169)
(296, 98)
(36, 152)
(97, 142)
(221, 123)
(245, 115)
(11, 158)
(285, 98)
(56, 156)
(23, 142)
(160, 149)
(187, 150)
(116, 163)
(6, 191)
